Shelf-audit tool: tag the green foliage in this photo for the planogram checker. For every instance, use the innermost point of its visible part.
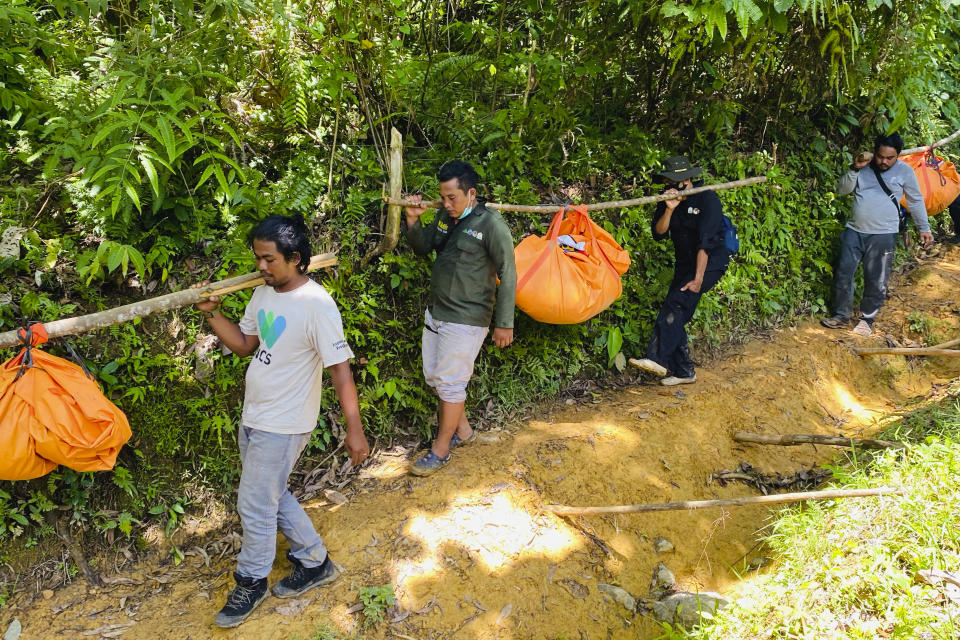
(375, 601)
(139, 143)
(848, 569)
(325, 632)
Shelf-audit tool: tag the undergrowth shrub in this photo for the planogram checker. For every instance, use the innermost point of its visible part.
(139, 146)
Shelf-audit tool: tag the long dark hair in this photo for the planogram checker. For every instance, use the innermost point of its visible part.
(289, 233)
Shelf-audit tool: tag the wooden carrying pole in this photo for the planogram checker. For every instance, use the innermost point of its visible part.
(931, 147)
(552, 208)
(563, 510)
(788, 440)
(159, 304)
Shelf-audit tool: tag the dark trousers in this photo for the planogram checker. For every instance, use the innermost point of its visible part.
(668, 344)
(875, 251)
(955, 214)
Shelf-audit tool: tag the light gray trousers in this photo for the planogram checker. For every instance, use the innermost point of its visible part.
(265, 504)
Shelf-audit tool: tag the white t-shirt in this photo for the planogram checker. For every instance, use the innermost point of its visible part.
(300, 333)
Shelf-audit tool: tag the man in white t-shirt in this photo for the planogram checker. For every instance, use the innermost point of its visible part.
(292, 327)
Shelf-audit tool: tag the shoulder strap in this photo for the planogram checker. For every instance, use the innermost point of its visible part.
(886, 189)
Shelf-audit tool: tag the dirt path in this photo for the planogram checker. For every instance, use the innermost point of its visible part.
(470, 554)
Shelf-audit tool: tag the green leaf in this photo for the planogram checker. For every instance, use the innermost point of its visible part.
(614, 342)
(151, 172)
(132, 193)
(138, 262)
(390, 387)
(169, 140)
(116, 257)
(207, 172)
(103, 132)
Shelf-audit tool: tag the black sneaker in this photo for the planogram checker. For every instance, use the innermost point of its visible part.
(836, 322)
(241, 602)
(302, 578)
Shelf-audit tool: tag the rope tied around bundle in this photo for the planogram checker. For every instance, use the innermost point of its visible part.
(32, 334)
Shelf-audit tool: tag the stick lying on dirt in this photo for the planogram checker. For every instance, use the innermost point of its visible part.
(552, 208)
(82, 324)
(907, 351)
(788, 440)
(866, 351)
(947, 344)
(563, 510)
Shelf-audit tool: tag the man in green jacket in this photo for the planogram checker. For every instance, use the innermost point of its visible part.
(474, 248)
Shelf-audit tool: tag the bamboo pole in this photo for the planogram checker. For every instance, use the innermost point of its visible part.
(159, 304)
(552, 208)
(931, 147)
(788, 440)
(564, 510)
(907, 351)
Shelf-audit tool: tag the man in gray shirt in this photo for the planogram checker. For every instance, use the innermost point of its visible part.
(871, 233)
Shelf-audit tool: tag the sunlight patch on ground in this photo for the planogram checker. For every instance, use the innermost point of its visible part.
(494, 531)
(851, 405)
(621, 434)
(604, 430)
(386, 469)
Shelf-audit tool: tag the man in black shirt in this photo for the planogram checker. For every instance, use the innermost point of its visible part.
(695, 224)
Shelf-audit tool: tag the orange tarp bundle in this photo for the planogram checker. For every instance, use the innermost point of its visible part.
(938, 178)
(52, 413)
(567, 285)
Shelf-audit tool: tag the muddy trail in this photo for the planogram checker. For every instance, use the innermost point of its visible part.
(469, 552)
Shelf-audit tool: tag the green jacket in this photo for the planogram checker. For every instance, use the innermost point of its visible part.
(471, 254)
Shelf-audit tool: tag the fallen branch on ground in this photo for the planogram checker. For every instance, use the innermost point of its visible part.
(159, 304)
(552, 208)
(947, 344)
(803, 480)
(564, 510)
(907, 351)
(791, 439)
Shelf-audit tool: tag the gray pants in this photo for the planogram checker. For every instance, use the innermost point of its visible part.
(449, 352)
(875, 251)
(265, 504)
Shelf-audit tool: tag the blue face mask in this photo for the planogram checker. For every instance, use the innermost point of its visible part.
(466, 212)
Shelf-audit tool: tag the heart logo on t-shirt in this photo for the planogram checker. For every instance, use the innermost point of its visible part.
(271, 327)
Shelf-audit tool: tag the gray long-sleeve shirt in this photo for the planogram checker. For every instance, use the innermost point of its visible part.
(873, 210)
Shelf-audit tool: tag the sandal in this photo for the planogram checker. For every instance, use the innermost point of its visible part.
(428, 463)
(456, 440)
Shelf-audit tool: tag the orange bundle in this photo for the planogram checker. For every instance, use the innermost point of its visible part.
(938, 178)
(52, 412)
(568, 284)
